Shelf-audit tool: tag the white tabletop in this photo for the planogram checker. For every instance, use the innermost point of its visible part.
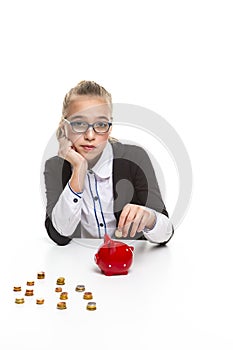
(154, 306)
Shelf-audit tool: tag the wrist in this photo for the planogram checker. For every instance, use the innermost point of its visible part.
(77, 179)
(151, 221)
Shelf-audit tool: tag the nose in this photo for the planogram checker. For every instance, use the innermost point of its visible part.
(89, 134)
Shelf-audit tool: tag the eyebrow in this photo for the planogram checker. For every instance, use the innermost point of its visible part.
(83, 117)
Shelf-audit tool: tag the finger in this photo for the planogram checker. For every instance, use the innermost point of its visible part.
(64, 147)
(64, 141)
(123, 216)
(125, 230)
(134, 228)
(136, 222)
(143, 222)
(128, 223)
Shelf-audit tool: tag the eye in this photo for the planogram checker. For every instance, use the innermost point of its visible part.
(101, 124)
(78, 124)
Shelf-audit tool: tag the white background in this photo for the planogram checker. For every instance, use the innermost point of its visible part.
(173, 57)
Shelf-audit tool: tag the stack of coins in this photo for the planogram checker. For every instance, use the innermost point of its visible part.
(41, 275)
(58, 289)
(29, 292)
(19, 300)
(61, 281)
(87, 295)
(40, 301)
(64, 296)
(91, 306)
(61, 305)
(80, 288)
(30, 283)
(17, 289)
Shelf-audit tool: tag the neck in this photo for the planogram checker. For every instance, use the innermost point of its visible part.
(93, 162)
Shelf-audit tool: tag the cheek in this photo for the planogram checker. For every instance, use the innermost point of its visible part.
(102, 141)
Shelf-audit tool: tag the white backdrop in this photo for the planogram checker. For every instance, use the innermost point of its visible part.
(173, 57)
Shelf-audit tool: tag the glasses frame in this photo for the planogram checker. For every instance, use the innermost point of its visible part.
(88, 126)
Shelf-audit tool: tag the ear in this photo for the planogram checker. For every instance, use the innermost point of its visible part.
(62, 132)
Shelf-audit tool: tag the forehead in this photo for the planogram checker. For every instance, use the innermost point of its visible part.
(89, 106)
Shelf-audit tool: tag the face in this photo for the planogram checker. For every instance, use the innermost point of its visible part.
(90, 109)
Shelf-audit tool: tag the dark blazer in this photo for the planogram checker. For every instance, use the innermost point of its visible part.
(134, 181)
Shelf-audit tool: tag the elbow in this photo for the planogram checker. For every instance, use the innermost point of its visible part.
(165, 242)
(54, 235)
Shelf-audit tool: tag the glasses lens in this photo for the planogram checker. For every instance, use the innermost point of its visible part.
(101, 127)
(79, 126)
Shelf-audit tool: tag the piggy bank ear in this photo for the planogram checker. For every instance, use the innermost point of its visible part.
(132, 248)
(107, 239)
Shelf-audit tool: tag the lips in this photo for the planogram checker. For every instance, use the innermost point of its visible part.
(88, 147)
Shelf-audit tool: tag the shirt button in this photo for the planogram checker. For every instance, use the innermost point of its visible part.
(101, 225)
(96, 198)
(90, 171)
(75, 200)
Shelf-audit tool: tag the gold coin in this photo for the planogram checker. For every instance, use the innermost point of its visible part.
(19, 300)
(17, 289)
(41, 275)
(61, 281)
(40, 301)
(29, 292)
(61, 305)
(87, 295)
(30, 283)
(91, 306)
(58, 289)
(118, 233)
(64, 296)
(80, 288)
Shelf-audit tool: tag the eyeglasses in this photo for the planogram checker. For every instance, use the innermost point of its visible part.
(80, 127)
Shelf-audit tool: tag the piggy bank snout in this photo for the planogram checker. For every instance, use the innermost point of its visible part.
(97, 258)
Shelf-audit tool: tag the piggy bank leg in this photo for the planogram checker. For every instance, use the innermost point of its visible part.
(107, 273)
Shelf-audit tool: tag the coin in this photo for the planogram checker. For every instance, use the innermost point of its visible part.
(29, 292)
(80, 288)
(87, 295)
(58, 289)
(118, 233)
(40, 301)
(41, 275)
(30, 283)
(17, 289)
(61, 281)
(61, 305)
(19, 300)
(64, 296)
(91, 306)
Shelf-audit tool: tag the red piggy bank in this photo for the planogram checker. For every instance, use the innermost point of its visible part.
(114, 257)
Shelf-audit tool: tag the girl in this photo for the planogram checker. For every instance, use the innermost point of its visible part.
(97, 184)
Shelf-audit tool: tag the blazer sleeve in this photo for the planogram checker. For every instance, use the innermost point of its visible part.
(56, 175)
(140, 186)
(147, 191)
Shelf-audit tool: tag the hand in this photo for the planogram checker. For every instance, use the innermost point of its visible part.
(68, 151)
(137, 216)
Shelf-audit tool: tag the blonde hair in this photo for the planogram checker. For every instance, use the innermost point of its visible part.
(83, 88)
